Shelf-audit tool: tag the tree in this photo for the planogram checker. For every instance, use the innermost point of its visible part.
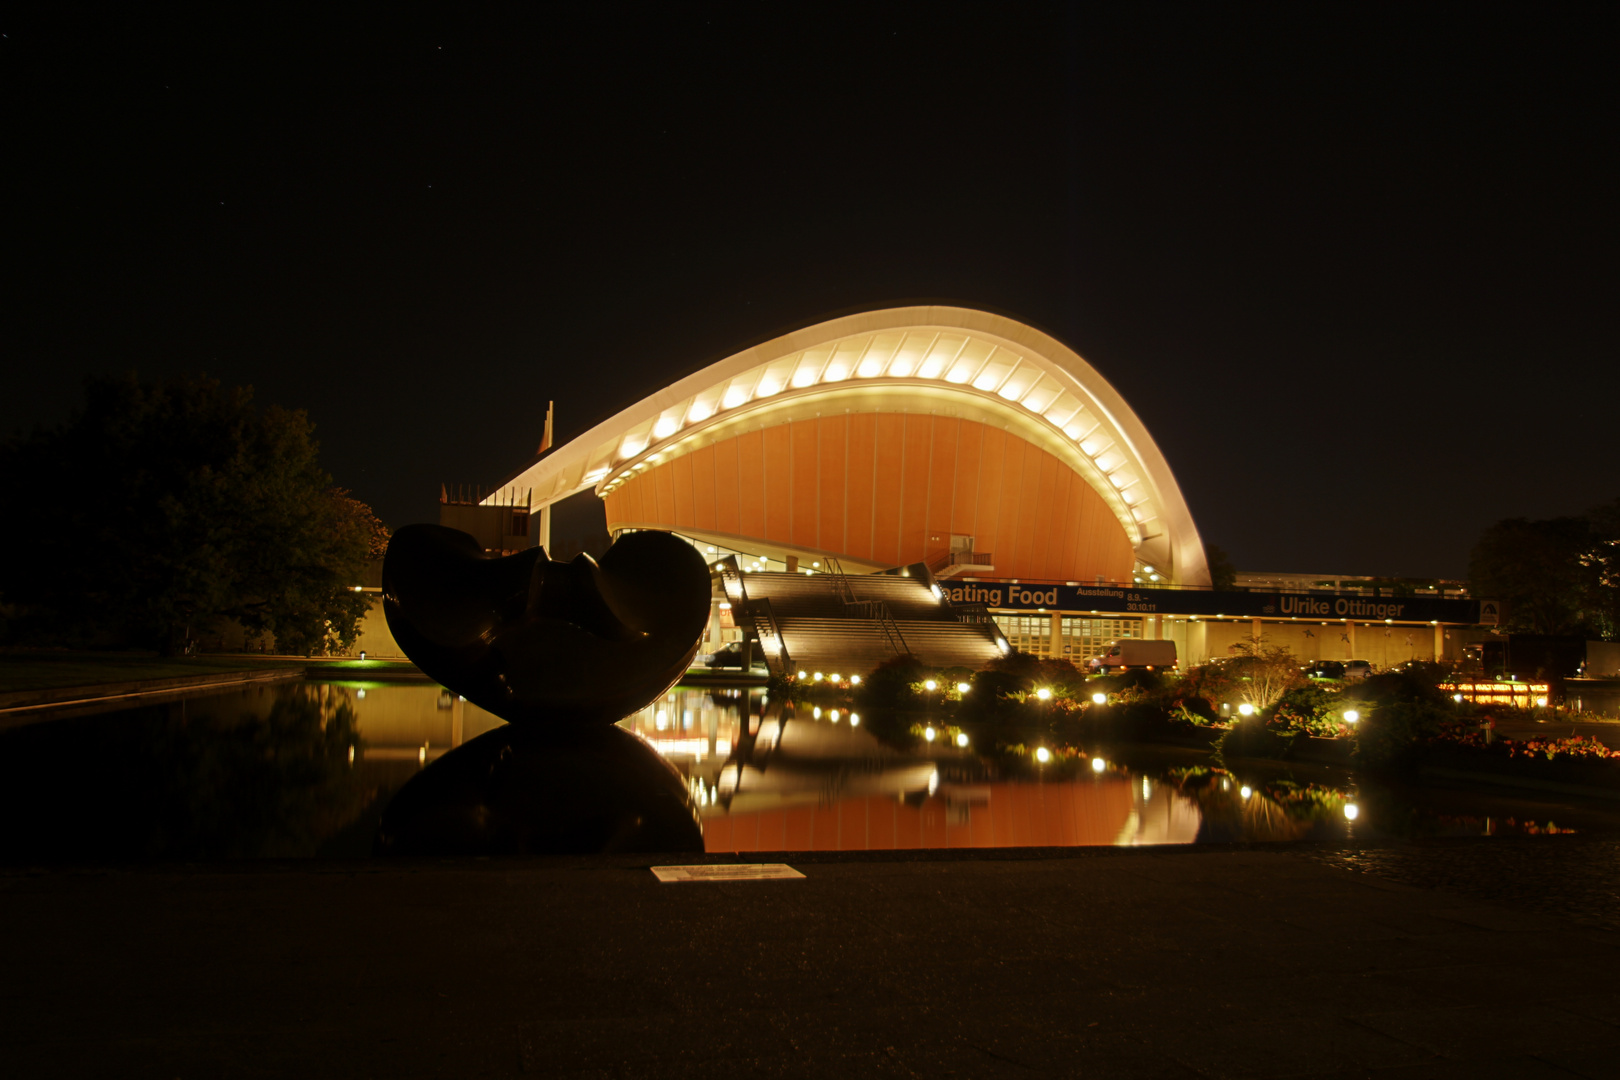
(1267, 672)
(163, 504)
(1556, 576)
(1222, 574)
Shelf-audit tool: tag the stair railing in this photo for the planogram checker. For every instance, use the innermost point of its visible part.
(874, 610)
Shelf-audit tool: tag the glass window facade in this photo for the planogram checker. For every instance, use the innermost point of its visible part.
(1078, 638)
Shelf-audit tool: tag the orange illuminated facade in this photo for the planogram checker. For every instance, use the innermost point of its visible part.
(887, 489)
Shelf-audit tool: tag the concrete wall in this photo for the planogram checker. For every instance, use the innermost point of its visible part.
(1380, 645)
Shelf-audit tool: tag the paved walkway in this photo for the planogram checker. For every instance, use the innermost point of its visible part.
(1108, 964)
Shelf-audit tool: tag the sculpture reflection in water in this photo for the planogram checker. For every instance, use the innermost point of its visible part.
(562, 651)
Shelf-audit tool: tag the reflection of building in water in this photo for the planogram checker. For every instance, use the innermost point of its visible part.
(1159, 815)
(789, 780)
(413, 722)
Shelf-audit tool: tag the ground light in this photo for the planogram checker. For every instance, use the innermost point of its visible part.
(1042, 754)
(962, 687)
(1099, 699)
(854, 719)
(930, 685)
(854, 680)
(1245, 709)
(961, 739)
(1541, 703)
(1245, 791)
(1351, 716)
(1044, 694)
(1351, 811)
(928, 733)
(1098, 764)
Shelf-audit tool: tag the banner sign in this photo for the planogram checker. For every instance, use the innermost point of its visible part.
(1106, 599)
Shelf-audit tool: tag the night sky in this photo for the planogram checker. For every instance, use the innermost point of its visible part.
(1353, 267)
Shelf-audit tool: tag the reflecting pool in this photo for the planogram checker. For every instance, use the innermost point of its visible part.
(310, 769)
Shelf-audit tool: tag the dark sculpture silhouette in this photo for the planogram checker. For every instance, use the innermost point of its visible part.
(537, 641)
(560, 650)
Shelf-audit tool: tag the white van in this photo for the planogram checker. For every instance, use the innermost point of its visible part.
(1138, 654)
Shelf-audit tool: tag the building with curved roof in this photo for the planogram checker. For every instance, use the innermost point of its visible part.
(942, 435)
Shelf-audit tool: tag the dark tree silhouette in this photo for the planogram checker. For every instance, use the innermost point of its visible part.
(163, 504)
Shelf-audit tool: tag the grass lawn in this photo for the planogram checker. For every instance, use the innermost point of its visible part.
(49, 670)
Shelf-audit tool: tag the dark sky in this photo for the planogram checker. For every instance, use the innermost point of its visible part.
(1353, 266)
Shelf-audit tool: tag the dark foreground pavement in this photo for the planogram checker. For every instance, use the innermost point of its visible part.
(1184, 963)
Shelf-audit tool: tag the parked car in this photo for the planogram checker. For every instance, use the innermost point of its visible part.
(1326, 669)
(1356, 670)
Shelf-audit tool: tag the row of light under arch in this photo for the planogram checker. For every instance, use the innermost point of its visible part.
(952, 358)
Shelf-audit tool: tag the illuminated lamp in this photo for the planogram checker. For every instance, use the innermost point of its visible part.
(1044, 694)
(1099, 699)
(854, 680)
(1098, 764)
(699, 413)
(734, 397)
(1351, 811)
(961, 739)
(1246, 709)
(962, 687)
(665, 427)
(1043, 755)
(930, 684)
(1245, 791)
(1351, 716)
(929, 733)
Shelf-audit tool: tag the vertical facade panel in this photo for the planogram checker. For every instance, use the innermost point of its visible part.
(1029, 498)
(703, 511)
(725, 487)
(806, 459)
(1049, 526)
(965, 498)
(886, 488)
(1090, 555)
(663, 482)
(751, 483)
(778, 483)
(1072, 486)
(685, 516)
(859, 495)
(992, 457)
(1008, 524)
(830, 488)
(914, 488)
(942, 483)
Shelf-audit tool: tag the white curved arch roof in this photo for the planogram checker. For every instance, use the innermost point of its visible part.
(1028, 379)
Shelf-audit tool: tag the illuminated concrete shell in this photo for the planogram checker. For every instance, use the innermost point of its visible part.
(875, 437)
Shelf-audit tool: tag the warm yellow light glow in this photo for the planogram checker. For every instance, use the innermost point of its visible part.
(665, 427)
(962, 687)
(1246, 709)
(1541, 703)
(1244, 791)
(929, 733)
(832, 714)
(818, 676)
(930, 684)
(816, 712)
(833, 677)
(1099, 699)
(1351, 811)
(802, 675)
(1351, 716)
(1043, 755)
(962, 739)
(1044, 694)
(698, 413)
(1457, 698)
(734, 397)
(767, 387)
(854, 719)
(1098, 764)
(854, 680)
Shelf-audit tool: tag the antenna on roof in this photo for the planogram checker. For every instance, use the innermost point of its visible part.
(545, 440)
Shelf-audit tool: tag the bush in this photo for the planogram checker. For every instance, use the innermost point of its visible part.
(1311, 709)
(893, 684)
(1399, 713)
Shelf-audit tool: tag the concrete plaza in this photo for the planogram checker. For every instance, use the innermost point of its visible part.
(1193, 962)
